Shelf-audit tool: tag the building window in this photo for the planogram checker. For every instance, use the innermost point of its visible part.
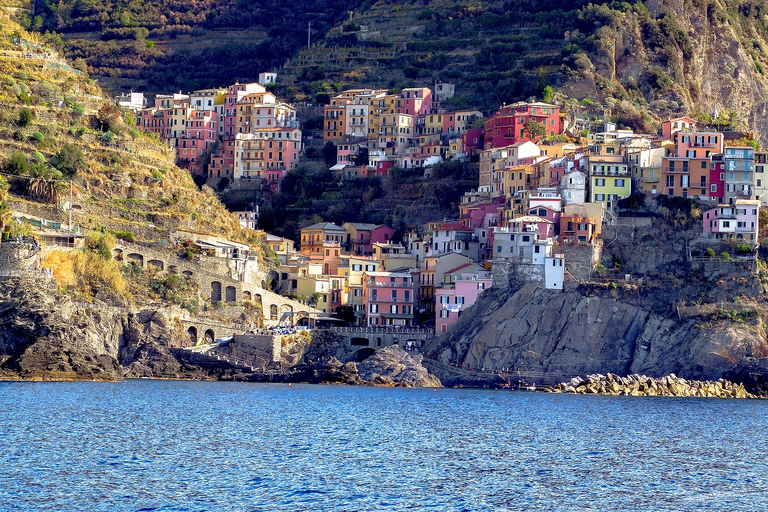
(713, 188)
(374, 308)
(600, 182)
(619, 182)
(444, 313)
(599, 197)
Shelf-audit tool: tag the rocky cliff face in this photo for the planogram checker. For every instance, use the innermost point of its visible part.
(45, 335)
(565, 334)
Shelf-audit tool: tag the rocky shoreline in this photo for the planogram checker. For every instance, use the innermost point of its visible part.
(640, 385)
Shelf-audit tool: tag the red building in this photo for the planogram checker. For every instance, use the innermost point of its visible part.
(717, 177)
(507, 126)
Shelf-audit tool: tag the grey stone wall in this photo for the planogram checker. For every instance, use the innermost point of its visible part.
(512, 273)
(580, 260)
(260, 350)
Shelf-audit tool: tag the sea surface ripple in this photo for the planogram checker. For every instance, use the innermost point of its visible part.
(197, 446)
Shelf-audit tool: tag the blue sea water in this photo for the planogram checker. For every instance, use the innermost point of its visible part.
(194, 446)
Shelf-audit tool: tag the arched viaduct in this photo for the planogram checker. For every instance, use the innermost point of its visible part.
(217, 282)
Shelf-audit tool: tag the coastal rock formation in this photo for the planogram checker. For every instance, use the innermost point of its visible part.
(752, 373)
(393, 366)
(640, 385)
(565, 334)
(45, 335)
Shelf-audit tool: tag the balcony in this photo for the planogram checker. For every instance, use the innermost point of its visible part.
(702, 145)
(384, 284)
(606, 172)
(399, 300)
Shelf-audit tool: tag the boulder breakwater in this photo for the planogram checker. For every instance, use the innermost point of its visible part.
(640, 385)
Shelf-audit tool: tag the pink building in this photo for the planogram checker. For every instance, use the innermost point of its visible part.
(388, 298)
(459, 292)
(672, 126)
(739, 221)
(199, 133)
(533, 224)
(546, 203)
(362, 236)
(415, 101)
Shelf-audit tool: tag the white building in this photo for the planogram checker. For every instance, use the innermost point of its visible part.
(132, 100)
(525, 255)
(573, 188)
(267, 78)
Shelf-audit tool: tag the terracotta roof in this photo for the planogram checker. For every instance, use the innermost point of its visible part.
(452, 226)
(459, 268)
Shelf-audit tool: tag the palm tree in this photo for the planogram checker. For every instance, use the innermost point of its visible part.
(44, 184)
(3, 188)
(5, 215)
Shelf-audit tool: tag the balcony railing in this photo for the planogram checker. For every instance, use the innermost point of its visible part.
(384, 284)
(598, 172)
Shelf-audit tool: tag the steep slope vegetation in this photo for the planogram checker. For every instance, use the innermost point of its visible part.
(55, 126)
(643, 60)
(170, 45)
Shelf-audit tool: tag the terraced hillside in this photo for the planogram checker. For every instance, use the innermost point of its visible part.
(55, 126)
(161, 45)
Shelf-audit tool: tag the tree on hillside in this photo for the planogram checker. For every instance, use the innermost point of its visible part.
(69, 160)
(25, 117)
(329, 153)
(534, 129)
(16, 164)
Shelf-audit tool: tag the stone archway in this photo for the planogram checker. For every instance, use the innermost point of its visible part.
(247, 296)
(192, 332)
(210, 337)
(117, 254)
(159, 265)
(215, 292)
(273, 312)
(187, 273)
(364, 353)
(173, 269)
(230, 294)
(136, 259)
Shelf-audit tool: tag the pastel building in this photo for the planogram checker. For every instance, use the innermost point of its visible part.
(360, 236)
(462, 286)
(389, 298)
(524, 255)
(738, 221)
(609, 178)
(739, 173)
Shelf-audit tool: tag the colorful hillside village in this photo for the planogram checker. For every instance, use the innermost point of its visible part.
(543, 197)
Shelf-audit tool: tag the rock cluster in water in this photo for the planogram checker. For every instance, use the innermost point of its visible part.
(640, 385)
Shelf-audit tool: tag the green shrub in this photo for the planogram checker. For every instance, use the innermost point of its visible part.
(38, 156)
(124, 235)
(16, 164)
(25, 117)
(710, 252)
(37, 137)
(744, 249)
(725, 255)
